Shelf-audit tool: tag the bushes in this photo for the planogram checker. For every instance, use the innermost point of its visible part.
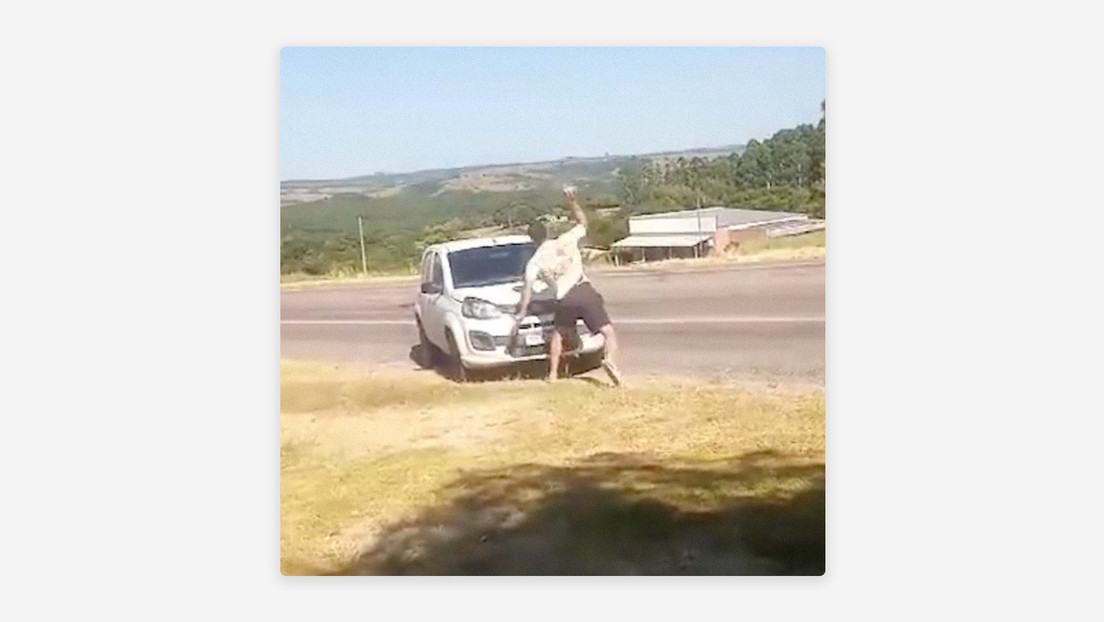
(319, 253)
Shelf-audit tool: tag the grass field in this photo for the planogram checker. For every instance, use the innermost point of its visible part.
(811, 240)
(407, 473)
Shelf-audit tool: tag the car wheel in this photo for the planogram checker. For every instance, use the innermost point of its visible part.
(456, 368)
(427, 351)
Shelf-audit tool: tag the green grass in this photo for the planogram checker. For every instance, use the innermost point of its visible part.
(409, 473)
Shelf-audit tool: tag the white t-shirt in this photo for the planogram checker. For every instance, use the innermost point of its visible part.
(558, 262)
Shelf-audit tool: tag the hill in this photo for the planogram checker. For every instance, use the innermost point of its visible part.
(503, 178)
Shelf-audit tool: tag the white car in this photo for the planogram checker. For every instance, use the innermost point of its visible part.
(465, 305)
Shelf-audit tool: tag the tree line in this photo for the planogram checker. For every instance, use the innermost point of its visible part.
(785, 172)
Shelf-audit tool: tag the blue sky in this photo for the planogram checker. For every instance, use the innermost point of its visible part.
(356, 111)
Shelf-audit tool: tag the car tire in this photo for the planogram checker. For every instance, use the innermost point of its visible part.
(456, 369)
(427, 351)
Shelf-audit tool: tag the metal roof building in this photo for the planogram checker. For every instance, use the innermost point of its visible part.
(694, 231)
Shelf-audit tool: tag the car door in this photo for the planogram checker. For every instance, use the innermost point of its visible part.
(432, 291)
(423, 278)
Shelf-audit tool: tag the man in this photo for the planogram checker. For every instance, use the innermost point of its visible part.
(559, 264)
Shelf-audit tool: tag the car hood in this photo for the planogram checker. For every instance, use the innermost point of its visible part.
(500, 294)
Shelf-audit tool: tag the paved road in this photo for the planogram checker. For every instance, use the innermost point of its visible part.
(736, 322)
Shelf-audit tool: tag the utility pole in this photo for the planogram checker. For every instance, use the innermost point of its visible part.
(363, 258)
(697, 251)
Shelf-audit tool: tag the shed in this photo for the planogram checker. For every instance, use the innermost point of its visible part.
(696, 232)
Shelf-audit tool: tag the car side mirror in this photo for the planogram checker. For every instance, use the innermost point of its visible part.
(431, 288)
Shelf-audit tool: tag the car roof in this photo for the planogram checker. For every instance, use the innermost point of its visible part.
(459, 245)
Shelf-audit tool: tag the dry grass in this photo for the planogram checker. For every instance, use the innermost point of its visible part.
(805, 242)
(803, 247)
(302, 281)
(392, 473)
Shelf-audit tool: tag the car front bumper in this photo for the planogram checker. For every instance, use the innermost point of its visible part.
(530, 343)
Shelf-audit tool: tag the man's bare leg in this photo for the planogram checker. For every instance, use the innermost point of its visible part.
(611, 341)
(554, 352)
(610, 360)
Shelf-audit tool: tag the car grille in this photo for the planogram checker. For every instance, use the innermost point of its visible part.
(529, 351)
(572, 341)
(529, 325)
(536, 307)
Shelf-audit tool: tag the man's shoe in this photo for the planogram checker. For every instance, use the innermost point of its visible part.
(612, 371)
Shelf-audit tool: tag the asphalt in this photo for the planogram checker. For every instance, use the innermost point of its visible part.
(748, 322)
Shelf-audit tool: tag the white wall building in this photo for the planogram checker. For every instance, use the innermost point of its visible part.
(691, 233)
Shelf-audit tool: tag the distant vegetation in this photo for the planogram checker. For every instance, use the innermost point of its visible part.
(405, 212)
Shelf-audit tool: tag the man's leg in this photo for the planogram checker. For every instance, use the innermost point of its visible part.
(609, 362)
(555, 349)
(611, 342)
(563, 319)
(597, 320)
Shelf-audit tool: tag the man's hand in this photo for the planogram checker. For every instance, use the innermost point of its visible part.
(573, 204)
(523, 306)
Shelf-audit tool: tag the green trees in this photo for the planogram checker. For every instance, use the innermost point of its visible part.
(633, 182)
(515, 214)
(436, 234)
(605, 229)
(784, 172)
(754, 169)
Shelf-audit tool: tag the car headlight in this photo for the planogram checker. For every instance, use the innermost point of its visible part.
(479, 309)
(481, 340)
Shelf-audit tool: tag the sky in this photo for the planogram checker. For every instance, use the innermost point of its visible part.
(356, 111)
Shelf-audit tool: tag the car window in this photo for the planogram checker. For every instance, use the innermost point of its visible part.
(437, 277)
(426, 267)
(490, 265)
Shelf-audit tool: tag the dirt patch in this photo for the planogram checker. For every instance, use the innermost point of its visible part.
(386, 192)
(495, 179)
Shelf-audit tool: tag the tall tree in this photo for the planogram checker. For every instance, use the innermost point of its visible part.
(632, 180)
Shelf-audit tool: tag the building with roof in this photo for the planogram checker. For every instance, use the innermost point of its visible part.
(698, 232)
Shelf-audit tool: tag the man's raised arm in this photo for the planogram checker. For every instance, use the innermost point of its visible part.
(573, 203)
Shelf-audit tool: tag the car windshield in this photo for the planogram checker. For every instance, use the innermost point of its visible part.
(490, 265)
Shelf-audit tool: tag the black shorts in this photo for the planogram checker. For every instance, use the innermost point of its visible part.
(582, 302)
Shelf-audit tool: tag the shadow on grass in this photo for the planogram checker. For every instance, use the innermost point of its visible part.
(616, 514)
(591, 381)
